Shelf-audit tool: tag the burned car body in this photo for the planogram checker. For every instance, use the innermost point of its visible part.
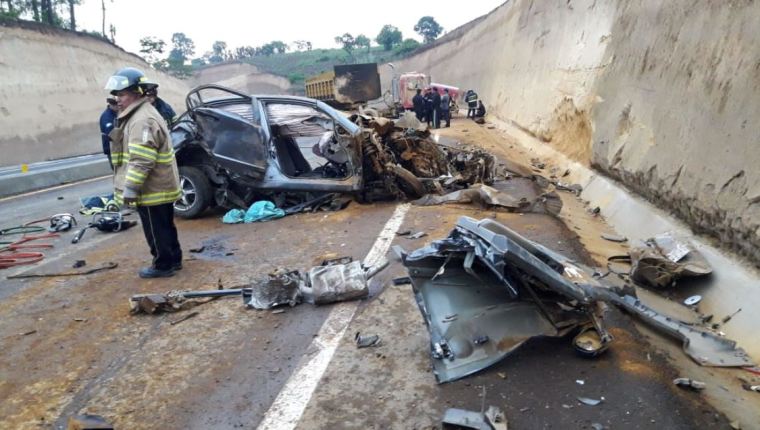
(233, 149)
(484, 290)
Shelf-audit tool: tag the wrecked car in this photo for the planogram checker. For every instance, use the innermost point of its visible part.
(233, 149)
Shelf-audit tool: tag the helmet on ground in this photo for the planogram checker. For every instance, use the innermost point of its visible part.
(127, 78)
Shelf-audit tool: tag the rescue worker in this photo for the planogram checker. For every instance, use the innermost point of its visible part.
(107, 123)
(145, 170)
(163, 108)
(436, 108)
(471, 98)
(428, 99)
(445, 107)
(481, 112)
(419, 105)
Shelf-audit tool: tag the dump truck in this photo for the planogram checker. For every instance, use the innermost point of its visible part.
(345, 86)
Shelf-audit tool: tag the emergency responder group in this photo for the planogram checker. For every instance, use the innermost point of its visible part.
(145, 175)
(434, 106)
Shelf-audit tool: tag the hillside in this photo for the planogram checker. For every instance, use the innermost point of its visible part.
(297, 66)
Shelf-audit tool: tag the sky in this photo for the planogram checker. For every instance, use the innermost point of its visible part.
(255, 22)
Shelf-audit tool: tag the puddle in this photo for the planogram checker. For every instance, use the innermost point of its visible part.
(214, 248)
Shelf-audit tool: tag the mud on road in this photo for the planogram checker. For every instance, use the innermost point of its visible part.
(224, 367)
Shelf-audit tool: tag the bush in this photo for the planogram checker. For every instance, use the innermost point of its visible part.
(407, 46)
(296, 78)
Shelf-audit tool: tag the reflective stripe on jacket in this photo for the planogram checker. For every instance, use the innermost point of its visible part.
(143, 157)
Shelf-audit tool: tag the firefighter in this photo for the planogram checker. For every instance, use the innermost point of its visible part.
(145, 170)
(471, 98)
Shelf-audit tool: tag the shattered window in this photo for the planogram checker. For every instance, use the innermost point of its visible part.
(295, 120)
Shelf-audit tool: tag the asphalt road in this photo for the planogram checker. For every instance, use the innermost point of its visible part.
(70, 345)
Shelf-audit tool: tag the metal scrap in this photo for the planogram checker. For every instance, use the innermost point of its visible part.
(690, 383)
(508, 288)
(492, 418)
(664, 259)
(366, 341)
(488, 197)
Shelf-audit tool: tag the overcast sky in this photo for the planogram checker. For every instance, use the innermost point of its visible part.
(252, 22)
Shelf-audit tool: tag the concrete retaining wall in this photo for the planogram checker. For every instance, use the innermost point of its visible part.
(660, 95)
(51, 91)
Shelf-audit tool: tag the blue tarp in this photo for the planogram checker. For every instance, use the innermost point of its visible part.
(259, 211)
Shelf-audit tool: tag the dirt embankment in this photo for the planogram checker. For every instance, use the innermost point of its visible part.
(52, 95)
(242, 77)
(661, 97)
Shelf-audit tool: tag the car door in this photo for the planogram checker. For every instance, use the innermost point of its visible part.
(234, 136)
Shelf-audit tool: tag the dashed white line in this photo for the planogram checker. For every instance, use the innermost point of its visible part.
(288, 407)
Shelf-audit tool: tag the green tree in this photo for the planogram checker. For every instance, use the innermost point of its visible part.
(182, 49)
(363, 41)
(152, 49)
(218, 52)
(428, 28)
(347, 42)
(407, 46)
(389, 37)
(302, 45)
(279, 46)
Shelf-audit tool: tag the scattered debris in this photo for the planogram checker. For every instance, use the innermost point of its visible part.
(597, 426)
(402, 280)
(510, 289)
(663, 259)
(88, 422)
(418, 235)
(693, 301)
(366, 341)
(329, 283)
(403, 233)
(727, 318)
(80, 319)
(278, 311)
(184, 318)
(198, 249)
(487, 197)
(690, 383)
(736, 425)
(492, 418)
(27, 333)
(502, 375)
(589, 401)
(580, 381)
(278, 289)
(79, 263)
(614, 238)
(106, 266)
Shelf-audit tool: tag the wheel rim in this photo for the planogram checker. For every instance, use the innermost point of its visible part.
(187, 200)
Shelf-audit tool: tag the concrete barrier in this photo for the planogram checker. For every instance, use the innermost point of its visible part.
(51, 173)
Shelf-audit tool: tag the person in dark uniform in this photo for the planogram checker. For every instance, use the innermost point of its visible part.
(471, 98)
(161, 106)
(436, 108)
(428, 98)
(107, 123)
(419, 105)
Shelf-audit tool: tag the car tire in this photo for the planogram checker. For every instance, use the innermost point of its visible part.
(197, 193)
(409, 184)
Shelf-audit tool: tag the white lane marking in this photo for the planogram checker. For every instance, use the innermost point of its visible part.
(287, 408)
(57, 187)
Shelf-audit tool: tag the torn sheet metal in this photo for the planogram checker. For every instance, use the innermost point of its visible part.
(488, 197)
(280, 288)
(336, 283)
(492, 419)
(485, 289)
(663, 259)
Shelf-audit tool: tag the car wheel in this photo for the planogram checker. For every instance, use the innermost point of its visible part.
(409, 184)
(196, 192)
